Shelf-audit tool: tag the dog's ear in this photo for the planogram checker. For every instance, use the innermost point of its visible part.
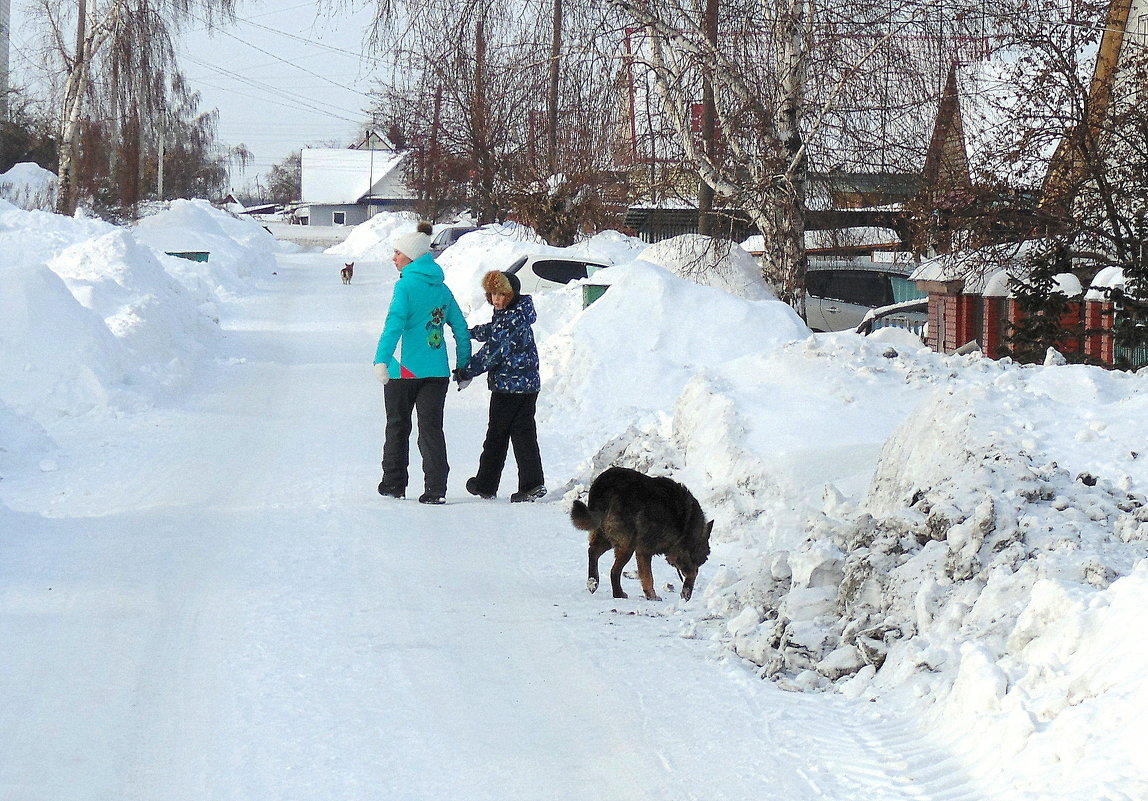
(709, 527)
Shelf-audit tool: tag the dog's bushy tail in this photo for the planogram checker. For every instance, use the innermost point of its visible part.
(583, 518)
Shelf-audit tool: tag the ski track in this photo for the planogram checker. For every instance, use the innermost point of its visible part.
(227, 609)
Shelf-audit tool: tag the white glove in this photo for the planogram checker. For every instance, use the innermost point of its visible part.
(382, 374)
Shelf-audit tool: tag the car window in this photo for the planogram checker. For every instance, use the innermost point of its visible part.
(516, 266)
(904, 289)
(560, 272)
(862, 287)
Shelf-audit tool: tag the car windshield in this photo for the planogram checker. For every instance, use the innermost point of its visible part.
(517, 265)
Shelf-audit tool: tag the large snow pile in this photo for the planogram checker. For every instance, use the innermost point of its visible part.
(373, 240)
(237, 248)
(29, 186)
(951, 531)
(630, 351)
(710, 262)
(92, 319)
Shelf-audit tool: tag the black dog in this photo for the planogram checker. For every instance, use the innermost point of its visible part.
(635, 513)
(347, 272)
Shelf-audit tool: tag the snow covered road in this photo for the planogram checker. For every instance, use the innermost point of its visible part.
(219, 606)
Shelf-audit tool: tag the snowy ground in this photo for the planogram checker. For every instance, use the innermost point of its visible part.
(201, 595)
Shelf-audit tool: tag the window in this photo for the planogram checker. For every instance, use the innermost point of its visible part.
(560, 272)
(339, 217)
(904, 289)
(861, 287)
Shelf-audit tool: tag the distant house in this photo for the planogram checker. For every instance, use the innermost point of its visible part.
(972, 307)
(348, 186)
(867, 162)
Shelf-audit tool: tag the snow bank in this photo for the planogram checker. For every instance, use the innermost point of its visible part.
(710, 262)
(637, 347)
(95, 318)
(237, 249)
(373, 239)
(943, 531)
(57, 357)
(154, 316)
(29, 186)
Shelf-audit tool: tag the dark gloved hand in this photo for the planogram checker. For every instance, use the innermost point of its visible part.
(462, 381)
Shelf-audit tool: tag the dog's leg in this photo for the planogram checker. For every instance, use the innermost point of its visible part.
(622, 556)
(646, 574)
(598, 546)
(688, 578)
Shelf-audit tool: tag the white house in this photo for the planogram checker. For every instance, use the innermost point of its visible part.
(347, 186)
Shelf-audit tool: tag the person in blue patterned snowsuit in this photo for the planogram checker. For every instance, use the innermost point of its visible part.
(509, 357)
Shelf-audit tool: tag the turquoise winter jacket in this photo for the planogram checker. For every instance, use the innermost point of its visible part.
(420, 307)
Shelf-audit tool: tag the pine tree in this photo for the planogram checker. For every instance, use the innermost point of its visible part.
(1042, 307)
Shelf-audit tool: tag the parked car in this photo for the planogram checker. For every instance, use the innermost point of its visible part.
(448, 236)
(840, 294)
(539, 273)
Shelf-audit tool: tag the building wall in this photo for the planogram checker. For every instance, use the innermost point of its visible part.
(956, 319)
(324, 215)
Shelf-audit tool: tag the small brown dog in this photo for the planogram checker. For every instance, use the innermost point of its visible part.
(635, 513)
(347, 271)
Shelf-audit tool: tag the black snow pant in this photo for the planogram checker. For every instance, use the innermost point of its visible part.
(426, 397)
(511, 422)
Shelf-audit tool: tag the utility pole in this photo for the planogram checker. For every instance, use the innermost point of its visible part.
(5, 46)
(162, 142)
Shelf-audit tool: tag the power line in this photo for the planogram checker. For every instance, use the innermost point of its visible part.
(281, 60)
(299, 102)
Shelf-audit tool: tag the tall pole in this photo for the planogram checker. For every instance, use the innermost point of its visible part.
(162, 142)
(5, 45)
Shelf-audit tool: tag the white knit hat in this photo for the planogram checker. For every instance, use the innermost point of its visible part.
(413, 245)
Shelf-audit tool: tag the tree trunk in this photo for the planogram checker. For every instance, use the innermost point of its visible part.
(74, 90)
(430, 184)
(484, 189)
(552, 106)
(790, 186)
(709, 127)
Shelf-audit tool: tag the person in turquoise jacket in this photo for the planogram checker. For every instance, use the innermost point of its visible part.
(416, 379)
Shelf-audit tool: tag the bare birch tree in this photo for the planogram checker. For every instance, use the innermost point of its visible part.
(789, 81)
(89, 38)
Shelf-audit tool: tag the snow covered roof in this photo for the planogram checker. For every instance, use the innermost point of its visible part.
(342, 176)
(867, 236)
